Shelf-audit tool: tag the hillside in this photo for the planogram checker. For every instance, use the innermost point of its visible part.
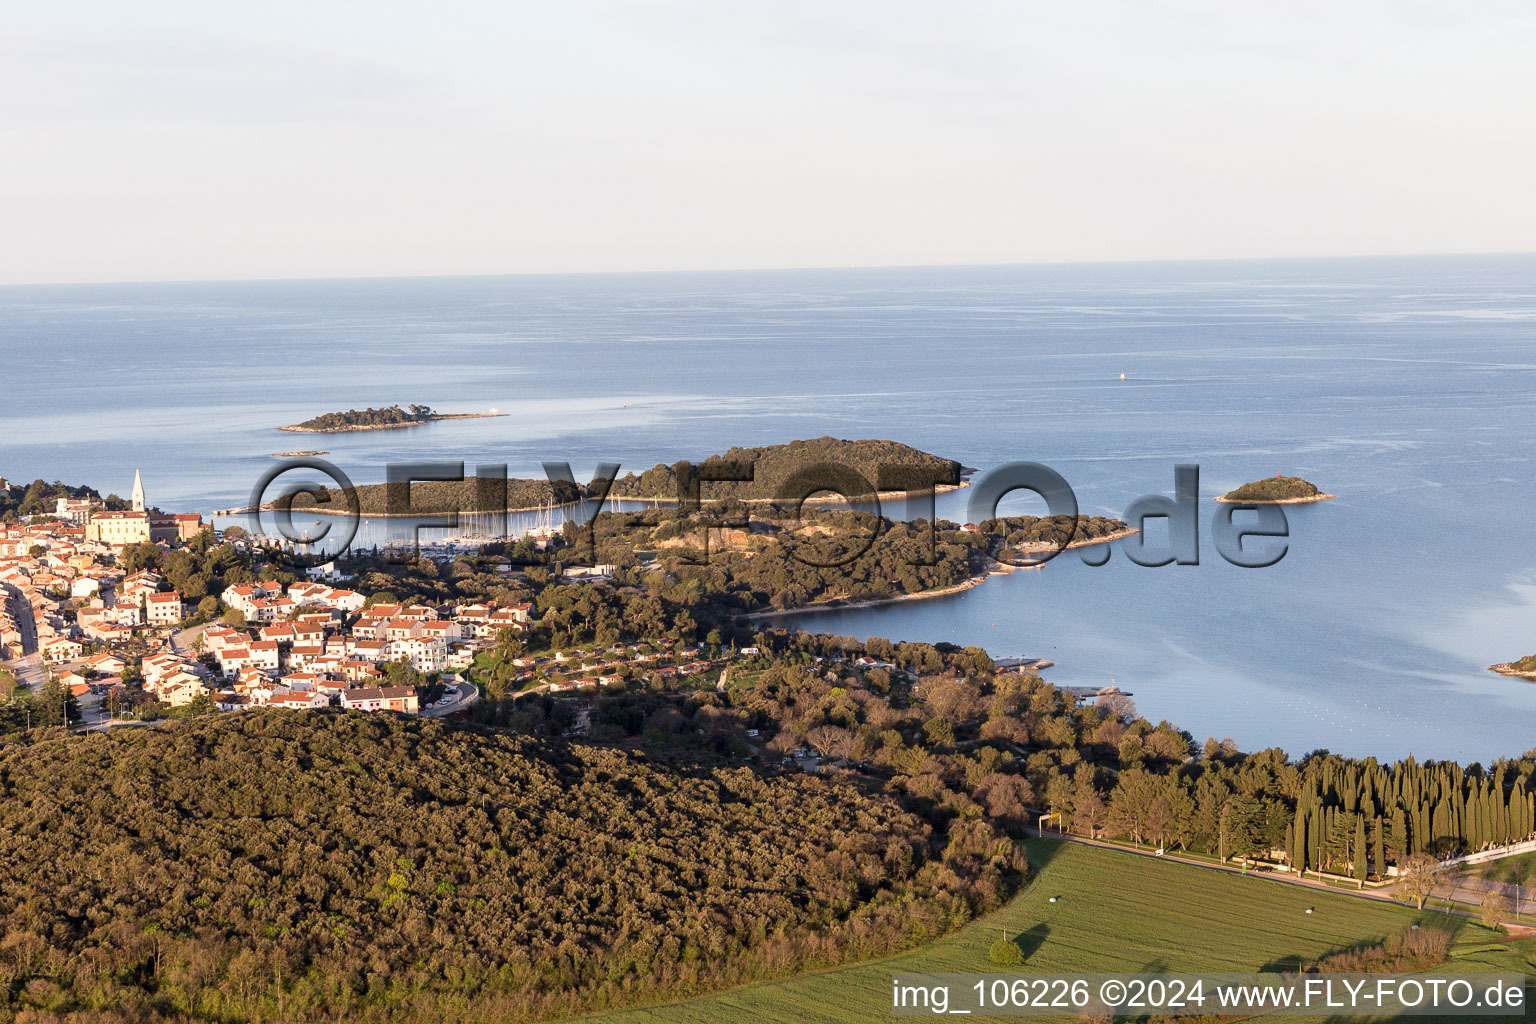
(329, 866)
(775, 466)
(1276, 490)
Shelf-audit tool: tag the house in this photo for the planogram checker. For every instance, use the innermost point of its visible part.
(232, 660)
(346, 600)
(299, 700)
(389, 698)
(281, 634)
(304, 656)
(252, 599)
(371, 650)
(424, 654)
(158, 666)
(264, 655)
(358, 671)
(163, 609)
(62, 649)
(308, 633)
(106, 664)
(227, 700)
(181, 690)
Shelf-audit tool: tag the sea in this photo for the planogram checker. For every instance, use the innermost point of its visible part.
(1404, 386)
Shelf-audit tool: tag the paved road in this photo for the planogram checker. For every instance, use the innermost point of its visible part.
(467, 694)
(29, 671)
(181, 640)
(21, 611)
(29, 668)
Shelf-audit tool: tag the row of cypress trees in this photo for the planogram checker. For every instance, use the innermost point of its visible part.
(1355, 817)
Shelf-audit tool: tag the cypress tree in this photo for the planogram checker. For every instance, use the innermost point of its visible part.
(1400, 838)
(1359, 848)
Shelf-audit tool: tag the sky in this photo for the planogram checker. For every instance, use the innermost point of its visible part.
(168, 140)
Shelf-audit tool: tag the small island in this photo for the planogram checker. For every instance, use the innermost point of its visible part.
(1525, 668)
(388, 418)
(1276, 490)
(307, 453)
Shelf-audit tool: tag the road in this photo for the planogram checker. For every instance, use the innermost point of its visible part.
(29, 668)
(181, 640)
(29, 671)
(467, 694)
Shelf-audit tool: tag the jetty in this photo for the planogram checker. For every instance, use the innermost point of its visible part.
(1022, 664)
(1089, 692)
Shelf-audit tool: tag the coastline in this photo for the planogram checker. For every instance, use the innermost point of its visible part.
(993, 568)
(296, 429)
(1275, 501)
(1507, 668)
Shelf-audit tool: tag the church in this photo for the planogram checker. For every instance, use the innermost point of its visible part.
(139, 525)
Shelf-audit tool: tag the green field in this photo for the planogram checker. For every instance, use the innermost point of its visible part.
(1519, 870)
(1115, 912)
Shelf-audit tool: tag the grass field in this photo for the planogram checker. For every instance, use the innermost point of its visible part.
(1519, 870)
(1115, 912)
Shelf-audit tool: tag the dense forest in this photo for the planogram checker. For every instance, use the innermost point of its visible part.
(1275, 488)
(944, 725)
(782, 472)
(334, 866)
(745, 558)
(359, 419)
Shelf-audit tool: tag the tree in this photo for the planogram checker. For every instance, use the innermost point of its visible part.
(1417, 876)
(1006, 797)
(234, 618)
(829, 740)
(139, 556)
(508, 644)
(1006, 953)
(1495, 907)
(1360, 853)
(55, 705)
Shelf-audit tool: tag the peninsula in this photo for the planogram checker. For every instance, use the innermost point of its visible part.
(388, 418)
(1276, 490)
(1525, 668)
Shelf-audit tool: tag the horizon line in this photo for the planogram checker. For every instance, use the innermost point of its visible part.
(1086, 262)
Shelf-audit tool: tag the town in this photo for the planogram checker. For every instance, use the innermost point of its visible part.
(120, 643)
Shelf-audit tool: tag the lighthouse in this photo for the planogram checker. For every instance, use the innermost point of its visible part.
(138, 492)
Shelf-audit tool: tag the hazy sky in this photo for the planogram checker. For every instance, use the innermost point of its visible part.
(177, 140)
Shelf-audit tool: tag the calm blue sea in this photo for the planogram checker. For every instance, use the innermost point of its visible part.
(1407, 387)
